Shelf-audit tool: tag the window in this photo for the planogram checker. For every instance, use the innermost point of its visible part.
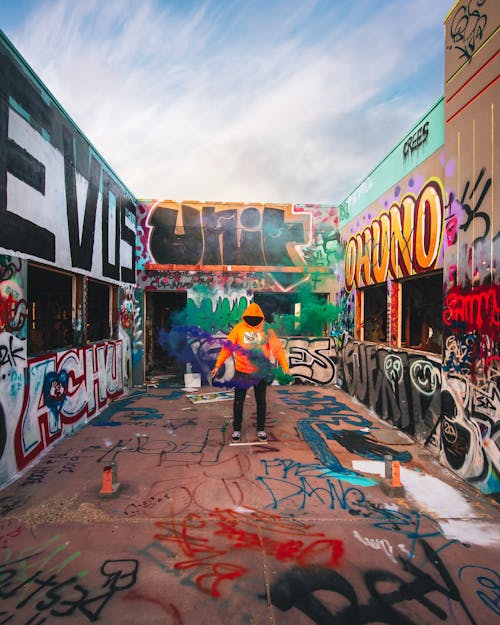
(50, 309)
(98, 311)
(422, 312)
(375, 313)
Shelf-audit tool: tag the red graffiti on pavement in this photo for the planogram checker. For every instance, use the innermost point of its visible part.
(246, 531)
(167, 607)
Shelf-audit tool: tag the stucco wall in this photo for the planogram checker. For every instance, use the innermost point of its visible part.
(468, 433)
(442, 215)
(62, 207)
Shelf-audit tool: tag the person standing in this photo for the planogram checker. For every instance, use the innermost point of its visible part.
(251, 344)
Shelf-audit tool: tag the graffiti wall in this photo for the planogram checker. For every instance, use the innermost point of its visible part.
(311, 360)
(468, 433)
(402, 387)
(390, 244)
(198, 335)
(220, 255)
(401, 241)
(45, 397)
(440, 217)
(13, 312)
(272, 246)
(62, 206)
(195, 233)
(60, 203)
(130, 324)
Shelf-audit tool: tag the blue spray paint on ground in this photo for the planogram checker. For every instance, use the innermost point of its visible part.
(127, 406)
(327, 458)
(361, 444)
(319, 428)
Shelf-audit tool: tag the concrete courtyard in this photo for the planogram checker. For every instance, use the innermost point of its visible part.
(194, 531)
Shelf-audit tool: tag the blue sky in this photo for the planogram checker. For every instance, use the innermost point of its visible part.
(237, 100)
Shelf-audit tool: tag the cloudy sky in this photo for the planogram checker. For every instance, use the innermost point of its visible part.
(244, 100)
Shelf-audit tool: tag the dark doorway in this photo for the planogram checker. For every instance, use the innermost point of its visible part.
(163, 313)
(275, 304)
(375, 313)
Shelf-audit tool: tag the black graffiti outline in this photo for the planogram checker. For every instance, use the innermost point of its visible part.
(295, 589)
(459, 25)
(9, 355)
(474, 213)
(9, 266)
(21, 233)
(54, 599)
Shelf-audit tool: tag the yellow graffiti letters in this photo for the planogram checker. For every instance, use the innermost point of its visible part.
(428, 227)
(402, 242)
(401, 245)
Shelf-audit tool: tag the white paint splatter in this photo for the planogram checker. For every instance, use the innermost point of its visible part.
(472, 531)
(376, 543)
(455, 514)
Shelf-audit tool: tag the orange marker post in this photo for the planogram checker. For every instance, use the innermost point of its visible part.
(107, 481)
(396, 478)
(110, 485)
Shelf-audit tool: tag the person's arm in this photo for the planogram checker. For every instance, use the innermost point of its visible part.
(277, 350)
(224, 353)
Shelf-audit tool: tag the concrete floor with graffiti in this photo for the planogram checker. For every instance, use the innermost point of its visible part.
(191, 530)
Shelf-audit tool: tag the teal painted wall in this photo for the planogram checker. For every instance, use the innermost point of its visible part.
(424, 138)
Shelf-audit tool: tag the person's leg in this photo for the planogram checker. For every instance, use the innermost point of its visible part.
(260, 400)
(240, 391)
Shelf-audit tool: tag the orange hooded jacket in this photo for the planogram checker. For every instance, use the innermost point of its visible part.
(245, 339)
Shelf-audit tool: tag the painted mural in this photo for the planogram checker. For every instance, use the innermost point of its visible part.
(468, 432)
(60, 203)
(130, 325)
(195, 233)
(390, 244)
(450, 402)
(400, 242)
(45, 397)
(441, 216)
(13, 313)
(269, 247)
(63, 207)
(401, 386)
(200, 330)
(227, 254)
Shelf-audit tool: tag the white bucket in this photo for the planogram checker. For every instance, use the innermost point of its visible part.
(192, 380)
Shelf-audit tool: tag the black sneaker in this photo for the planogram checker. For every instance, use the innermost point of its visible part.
(236, 436)
(262, 436)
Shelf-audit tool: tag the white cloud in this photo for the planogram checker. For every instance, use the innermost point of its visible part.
(248, 100)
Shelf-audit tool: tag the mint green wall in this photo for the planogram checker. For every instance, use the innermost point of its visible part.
(398, 163)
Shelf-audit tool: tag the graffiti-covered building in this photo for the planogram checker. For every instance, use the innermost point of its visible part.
(200, 264)
(467, 434)
(422, 243)
(391, 227)
(392, 294)
(67, 268)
